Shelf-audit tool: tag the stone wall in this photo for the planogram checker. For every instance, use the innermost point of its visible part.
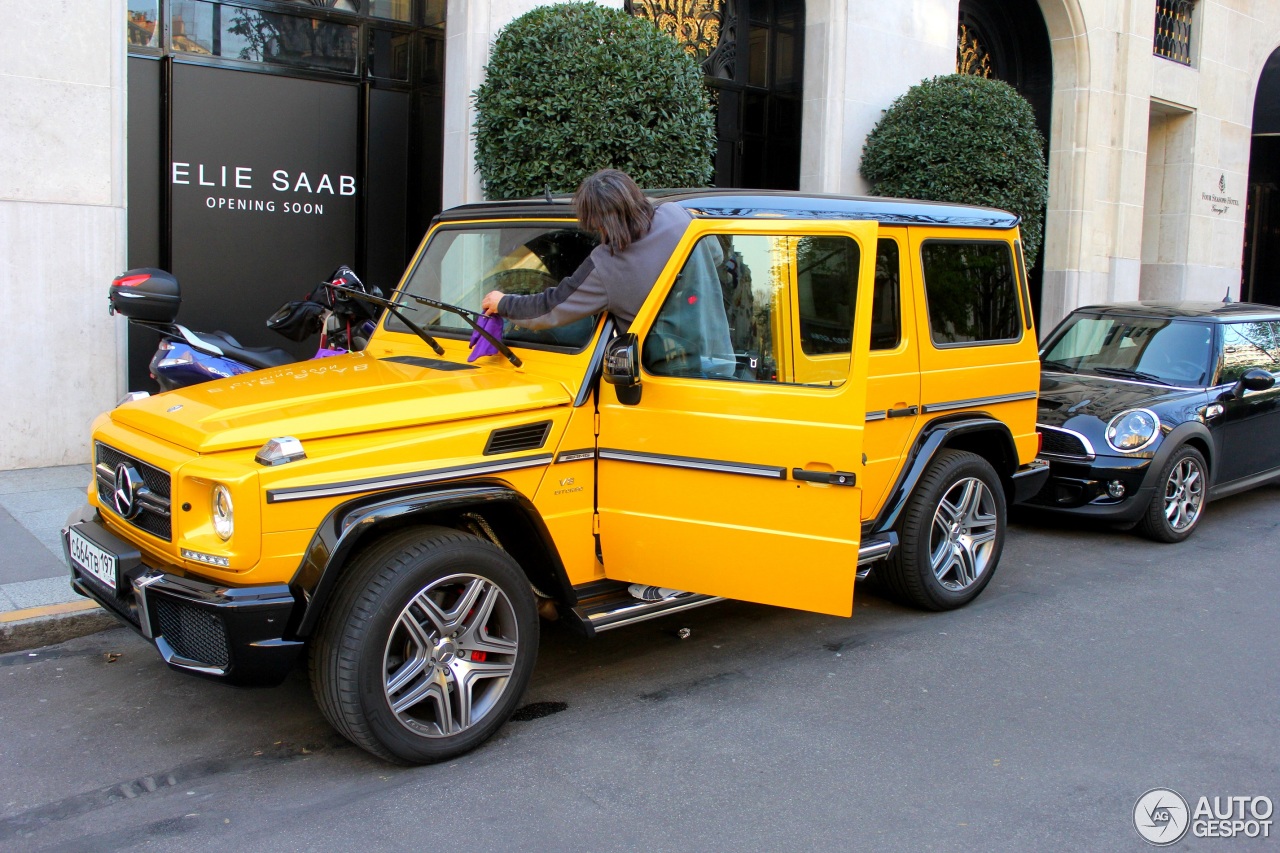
(62, 226)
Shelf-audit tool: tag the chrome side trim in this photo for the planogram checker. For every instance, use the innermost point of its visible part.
(1090, 453)
(642, 611)
(395, 481)
(980, 401)
(575, 455)
(750, 469)
(876, 416)
(873, 552)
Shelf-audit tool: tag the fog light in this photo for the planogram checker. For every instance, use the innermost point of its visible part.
(211, 559)
(1115, 488)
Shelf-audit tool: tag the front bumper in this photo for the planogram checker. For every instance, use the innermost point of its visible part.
(1080, 488)
(231, 634)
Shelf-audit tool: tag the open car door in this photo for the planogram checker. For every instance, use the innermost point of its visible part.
(733, 468)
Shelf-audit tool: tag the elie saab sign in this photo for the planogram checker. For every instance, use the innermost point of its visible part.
(291, 184)
(264, 193)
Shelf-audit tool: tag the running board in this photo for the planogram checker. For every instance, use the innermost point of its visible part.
(617, 611)
(613, 607)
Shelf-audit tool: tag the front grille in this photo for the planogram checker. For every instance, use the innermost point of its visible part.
(154, 518)
(1058, 442)
(193, 633)
(511, 439)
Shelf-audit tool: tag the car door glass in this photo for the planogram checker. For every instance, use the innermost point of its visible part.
(759, 308)
(1248, 345)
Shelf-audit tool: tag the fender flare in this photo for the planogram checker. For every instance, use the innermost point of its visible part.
(359, 521)
(1176, 438)
(932, 439)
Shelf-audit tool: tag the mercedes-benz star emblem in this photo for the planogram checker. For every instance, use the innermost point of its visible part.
(125, 496)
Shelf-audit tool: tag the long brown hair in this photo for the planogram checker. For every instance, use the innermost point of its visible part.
(612, 205)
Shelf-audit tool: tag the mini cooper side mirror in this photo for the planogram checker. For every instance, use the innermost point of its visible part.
(1254, 379)
(622, 368)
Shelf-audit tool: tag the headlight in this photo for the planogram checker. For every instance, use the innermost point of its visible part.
(1133, 430)
(223, 515)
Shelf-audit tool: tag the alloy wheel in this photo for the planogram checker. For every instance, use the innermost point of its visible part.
(1184, 494)
(450, 655)
(963, 535)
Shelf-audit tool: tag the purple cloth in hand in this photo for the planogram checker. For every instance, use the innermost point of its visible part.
(480, 345)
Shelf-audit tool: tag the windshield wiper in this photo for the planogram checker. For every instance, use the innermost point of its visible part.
(394, 309)
(469, 316)
(1126, 373)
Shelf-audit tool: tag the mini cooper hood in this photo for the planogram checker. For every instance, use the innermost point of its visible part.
(335, 396)
(1065, 396)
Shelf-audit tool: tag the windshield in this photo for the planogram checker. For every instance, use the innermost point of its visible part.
(461, 265)
(1166, 352)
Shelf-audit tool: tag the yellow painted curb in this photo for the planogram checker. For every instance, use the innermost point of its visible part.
(47, 610)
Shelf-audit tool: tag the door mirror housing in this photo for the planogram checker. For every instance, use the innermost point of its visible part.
(1254, 379)
(622, 367)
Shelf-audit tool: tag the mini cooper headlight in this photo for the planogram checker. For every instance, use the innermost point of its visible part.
(1133, 430)
(223, 515)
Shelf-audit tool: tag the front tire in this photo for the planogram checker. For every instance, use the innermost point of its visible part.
(951, 534)
(426, 647)
(1178, 504)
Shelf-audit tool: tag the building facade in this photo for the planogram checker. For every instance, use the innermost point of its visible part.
(1161, 120)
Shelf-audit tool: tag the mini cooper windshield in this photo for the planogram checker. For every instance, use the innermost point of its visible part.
(1142, 349)
(460, 265)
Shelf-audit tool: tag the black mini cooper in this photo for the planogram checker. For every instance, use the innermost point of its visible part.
(1150, 409)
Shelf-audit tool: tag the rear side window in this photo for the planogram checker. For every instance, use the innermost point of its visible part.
(972, 292)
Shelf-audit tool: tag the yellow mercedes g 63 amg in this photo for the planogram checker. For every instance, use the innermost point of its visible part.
(816, 387)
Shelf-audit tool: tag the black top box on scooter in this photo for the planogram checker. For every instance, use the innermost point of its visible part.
(147, 294)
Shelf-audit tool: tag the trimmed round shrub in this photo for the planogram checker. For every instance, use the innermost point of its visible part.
(576, 87)
(963, 139)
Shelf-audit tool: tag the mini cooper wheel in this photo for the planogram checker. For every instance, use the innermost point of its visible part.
(952, 532)
(427, 646)
(1178, 503)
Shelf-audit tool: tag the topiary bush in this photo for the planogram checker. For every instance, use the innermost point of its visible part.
(961, 138)
(577, 87)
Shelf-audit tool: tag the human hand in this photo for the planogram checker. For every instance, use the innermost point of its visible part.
(489, 304)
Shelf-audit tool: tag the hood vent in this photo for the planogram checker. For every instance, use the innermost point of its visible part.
(512, 439)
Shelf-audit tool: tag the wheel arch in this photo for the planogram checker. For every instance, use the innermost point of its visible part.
(1191, 433)
(982, 435)
(501, 513)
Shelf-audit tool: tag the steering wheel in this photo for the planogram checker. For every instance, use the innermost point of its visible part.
(521, 282)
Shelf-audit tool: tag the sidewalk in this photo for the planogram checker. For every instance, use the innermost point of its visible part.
(37, 606)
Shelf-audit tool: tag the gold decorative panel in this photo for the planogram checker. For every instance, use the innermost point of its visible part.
(693, 23)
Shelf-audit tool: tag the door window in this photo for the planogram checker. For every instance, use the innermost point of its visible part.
(1248, 345)
(759, 308)
(972, 292)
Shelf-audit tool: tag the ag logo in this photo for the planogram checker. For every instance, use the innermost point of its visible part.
(1161, 816)
(125, 495)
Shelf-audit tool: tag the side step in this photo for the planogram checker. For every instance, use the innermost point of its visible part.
(608, 605)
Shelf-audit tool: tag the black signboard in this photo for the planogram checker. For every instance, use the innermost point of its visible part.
(263, 188)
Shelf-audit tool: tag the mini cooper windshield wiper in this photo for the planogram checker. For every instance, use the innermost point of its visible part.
(470, 317)
(1126, 373)
(394, 309)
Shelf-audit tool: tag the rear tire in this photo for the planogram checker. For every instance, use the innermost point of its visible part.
(951, 534)
(426, 646)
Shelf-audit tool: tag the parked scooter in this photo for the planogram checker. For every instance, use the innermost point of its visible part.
(150, 298)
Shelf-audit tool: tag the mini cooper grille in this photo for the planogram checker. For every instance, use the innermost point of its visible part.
(511, 439)
(154, 518)
(1062, 443)
(195, 634)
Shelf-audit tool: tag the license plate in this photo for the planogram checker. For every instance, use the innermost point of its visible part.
(94, 560)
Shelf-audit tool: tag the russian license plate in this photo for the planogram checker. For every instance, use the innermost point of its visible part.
(94, 560)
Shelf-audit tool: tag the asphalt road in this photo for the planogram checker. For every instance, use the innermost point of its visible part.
(1095, 667)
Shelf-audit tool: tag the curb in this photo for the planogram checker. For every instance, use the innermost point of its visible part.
(54, 623)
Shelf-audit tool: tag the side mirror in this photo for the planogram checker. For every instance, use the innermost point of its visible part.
(1254, 379)
(622, 367)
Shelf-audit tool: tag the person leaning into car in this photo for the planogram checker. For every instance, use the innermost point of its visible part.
(636, 241)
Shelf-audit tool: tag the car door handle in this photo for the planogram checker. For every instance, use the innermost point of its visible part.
(903, 413)
(831, 478)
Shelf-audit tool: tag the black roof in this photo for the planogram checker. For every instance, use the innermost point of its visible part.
(750, 204)
(1222, 312)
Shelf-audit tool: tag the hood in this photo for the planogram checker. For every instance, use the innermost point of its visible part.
(341, 395)
(1066, 396)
